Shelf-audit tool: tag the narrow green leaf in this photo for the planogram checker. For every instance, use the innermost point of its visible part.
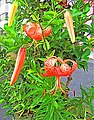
(52, 53)
(6, 106)
(47, 17)
(1, 101)
(47, 44)
(87, 7)
(44, 46)
(10, 41)
(77, 13)
(17, 106)
(36, 78)
(55, 104)
(50, 13)
(62, 118)
(91, 106)
(85, 53)
(36, 100)
(42, 59)
(30, 93)
(84, 92)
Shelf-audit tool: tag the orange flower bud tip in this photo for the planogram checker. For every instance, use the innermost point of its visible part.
(18, 65)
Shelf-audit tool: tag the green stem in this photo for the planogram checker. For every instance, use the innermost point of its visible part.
(26, 3)
(52, 5)
(53, 19)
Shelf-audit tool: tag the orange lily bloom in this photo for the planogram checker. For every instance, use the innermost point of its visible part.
(34, 31)
(63, 70)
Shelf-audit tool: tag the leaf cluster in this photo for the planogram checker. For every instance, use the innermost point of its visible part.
(25, 98)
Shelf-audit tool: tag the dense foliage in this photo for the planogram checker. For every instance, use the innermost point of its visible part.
(25, 97)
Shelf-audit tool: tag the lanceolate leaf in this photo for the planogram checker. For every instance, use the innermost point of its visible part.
(86, 53)
(36, 78)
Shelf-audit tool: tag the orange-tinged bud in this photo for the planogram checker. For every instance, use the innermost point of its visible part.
(12, 13)
(69, 24)
(18, 65)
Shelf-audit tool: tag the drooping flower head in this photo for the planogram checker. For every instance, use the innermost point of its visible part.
(34, 31)
(51, 68)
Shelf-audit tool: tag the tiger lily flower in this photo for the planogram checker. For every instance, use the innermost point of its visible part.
(63, 70)
(18, 65)
(12, 13)
(34, 31)
(69, 24)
